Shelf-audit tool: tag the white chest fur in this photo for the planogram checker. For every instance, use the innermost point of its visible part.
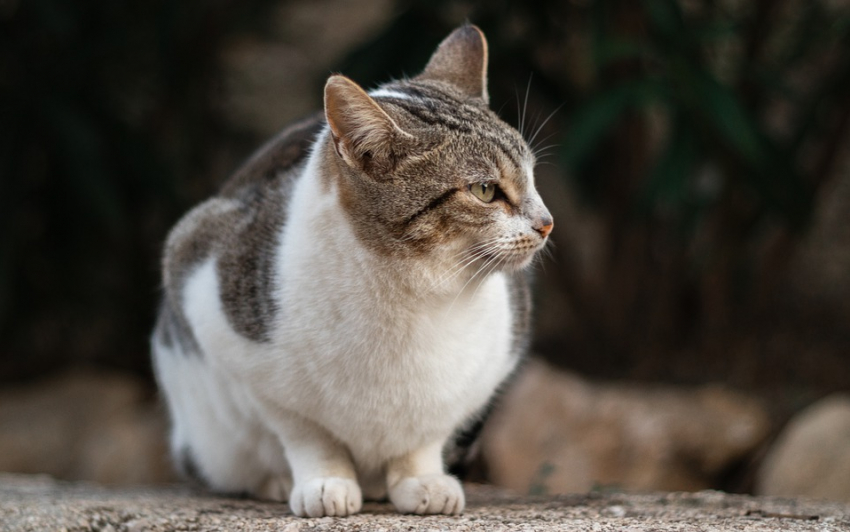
(382, 369)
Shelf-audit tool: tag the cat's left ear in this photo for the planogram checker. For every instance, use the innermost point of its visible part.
(461, 60)
(362, 132)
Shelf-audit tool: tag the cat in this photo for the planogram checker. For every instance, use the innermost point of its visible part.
(343, 312)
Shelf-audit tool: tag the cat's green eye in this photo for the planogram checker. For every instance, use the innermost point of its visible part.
(486, 192)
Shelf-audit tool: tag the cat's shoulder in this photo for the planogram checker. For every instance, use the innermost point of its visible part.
(283, 152)
(239, 228)
(251, 201)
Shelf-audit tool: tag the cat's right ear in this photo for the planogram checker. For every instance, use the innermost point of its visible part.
(363, 134)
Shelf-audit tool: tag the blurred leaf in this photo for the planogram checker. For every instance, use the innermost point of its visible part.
(834, 87)
(610, 50)
(716, 30)
(597, 117)
(670, 183)
(666, 17)
(721, 108)
(769, 171)
(805, 34)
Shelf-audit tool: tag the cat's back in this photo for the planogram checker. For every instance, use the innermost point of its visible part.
(273, 160)
(239, 229)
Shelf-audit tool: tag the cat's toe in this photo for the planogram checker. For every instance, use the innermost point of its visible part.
(431, 494)
(326, 497)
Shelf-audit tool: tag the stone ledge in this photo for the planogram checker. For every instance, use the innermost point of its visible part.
(37, 503)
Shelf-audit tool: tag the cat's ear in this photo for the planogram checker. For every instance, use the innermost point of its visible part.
(362, 132)
(461, 59)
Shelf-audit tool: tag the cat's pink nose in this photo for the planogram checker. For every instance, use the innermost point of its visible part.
(544, 226)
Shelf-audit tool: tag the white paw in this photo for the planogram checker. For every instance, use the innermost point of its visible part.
(326, 497)
(430, 494)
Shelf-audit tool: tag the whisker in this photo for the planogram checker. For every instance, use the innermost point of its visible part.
(520, 125)
(525, 105)
(545, 152)
(456, 270)
(540, 127)
(543, 256)
(544, 148)
(537, 148)
(493, 268)
(467, 257)
(477, 273)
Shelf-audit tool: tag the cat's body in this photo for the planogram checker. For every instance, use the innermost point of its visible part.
(347, 305)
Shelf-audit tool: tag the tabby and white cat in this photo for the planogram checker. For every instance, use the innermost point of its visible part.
(345, 309)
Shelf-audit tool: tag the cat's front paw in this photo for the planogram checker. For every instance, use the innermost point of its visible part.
(430, 494)
(326, 497)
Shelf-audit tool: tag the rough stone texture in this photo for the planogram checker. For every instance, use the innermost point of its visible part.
(84, 426)
(811, 457)
(557, 433)
(39, 503)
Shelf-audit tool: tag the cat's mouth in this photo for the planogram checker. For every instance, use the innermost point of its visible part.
(510, 255)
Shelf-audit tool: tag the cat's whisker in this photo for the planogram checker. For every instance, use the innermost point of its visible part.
(492, 267)
(542, 257)
(525, 105)
(540, 158)
(537, 148)
(457, 269)
(539, 152)
(484, 249)
(467, 258)
(541, 126)
(518, 111)
(474, 276)
(546, 253)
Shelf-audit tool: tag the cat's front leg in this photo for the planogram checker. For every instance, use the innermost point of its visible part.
(418, 484)
(324, 478)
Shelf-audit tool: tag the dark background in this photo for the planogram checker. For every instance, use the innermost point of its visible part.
(696, 162)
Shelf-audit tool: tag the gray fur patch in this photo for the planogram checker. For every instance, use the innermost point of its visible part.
(246, 262)
(519, 285)
(240, 228)
(186, 465)
(246, 265)
(191, 242)
(173, 330)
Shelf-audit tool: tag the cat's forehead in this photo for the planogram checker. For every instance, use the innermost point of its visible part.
(462, 124)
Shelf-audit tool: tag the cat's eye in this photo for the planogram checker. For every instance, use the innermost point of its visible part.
(486, 192)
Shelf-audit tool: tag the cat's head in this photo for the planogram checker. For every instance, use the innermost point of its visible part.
(424, 168)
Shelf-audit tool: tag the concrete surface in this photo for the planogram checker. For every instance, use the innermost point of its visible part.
(37, 503)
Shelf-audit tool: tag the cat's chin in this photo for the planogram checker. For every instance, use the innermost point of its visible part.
(513, 264)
